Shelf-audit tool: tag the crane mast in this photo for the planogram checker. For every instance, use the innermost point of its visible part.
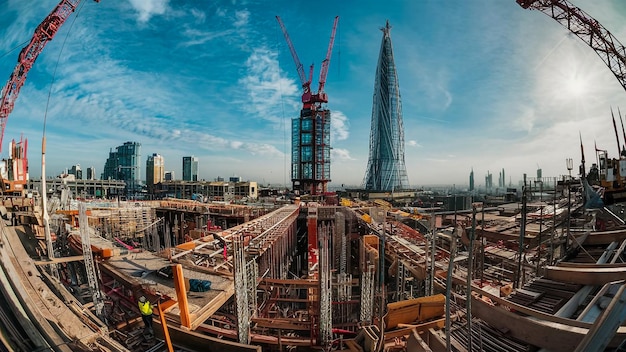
(46, 30)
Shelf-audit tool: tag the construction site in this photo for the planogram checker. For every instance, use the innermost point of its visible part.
(323, 271)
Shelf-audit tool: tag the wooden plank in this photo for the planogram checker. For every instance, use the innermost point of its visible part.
(59, 323)
(605, 237)
(588, 275)
(210, 309)
(413, 310)
(416, 344)
(284, 323)
(74, 258)
(551, 336)
(556, 334)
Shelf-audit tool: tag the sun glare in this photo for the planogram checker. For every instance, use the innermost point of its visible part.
(576, 85)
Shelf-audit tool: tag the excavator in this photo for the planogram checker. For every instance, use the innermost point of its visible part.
(14, 169)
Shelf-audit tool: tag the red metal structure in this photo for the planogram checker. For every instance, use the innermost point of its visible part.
(613, 53)
(310, 139)
(43, 34)
(610, 50)
(14, 174)
(307, 97)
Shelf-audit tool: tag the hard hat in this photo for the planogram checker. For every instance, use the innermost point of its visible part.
(142, 299)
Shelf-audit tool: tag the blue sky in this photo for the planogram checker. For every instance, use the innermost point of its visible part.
(484, 84)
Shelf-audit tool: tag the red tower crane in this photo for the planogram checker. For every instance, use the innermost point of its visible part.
(309, 98)
(15, 174)
(310, 156)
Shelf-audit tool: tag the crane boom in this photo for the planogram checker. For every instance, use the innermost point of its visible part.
(610, 50)
(42, 35)
(305, 83)
(326, 62)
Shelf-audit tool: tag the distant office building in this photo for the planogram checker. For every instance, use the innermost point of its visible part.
(123, 165)
(471, 180)
(190, 168)
(155, 171)
(502, 179)
(76, 171)
(489, 181)
(210, 190)
(91, 173)
(386, 170)
(169, 176)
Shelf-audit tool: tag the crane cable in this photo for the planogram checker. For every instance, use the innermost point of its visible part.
(45, 116)
(283, 122)
(21, 45)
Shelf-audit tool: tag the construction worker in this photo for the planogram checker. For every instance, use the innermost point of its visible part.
(145, 308)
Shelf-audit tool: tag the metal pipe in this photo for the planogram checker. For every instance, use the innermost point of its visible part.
(470, 264)
(570, 166)
(449, 288)
(520, 251)
(540, 226)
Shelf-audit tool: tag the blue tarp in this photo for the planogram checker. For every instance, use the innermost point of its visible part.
(196, 285)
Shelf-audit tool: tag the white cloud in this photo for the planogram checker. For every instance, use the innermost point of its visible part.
(199, 15)
(337, 154)
(220, 12)
(270, 95)
(413, 143)
(149, 8)
(241, 18)
(339, 126)
(199, 37)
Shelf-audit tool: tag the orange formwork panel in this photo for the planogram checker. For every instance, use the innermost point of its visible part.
(414, 310)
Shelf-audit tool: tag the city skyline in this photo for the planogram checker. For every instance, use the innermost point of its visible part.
(485, 84)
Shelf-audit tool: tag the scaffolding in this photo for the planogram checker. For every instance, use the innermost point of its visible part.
(386, 170)
(90, 267)
(241, 290)
(367, 294)
(326, 320)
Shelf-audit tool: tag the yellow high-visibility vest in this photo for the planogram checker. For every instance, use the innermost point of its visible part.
(145, 308)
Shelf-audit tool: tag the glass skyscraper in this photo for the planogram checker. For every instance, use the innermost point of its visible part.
(123, 164)
(386, 170)
(190, 168)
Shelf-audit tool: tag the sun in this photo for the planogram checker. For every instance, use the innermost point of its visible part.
(576, 85)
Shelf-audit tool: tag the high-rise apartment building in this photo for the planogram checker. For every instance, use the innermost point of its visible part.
(169, 176)
(190, 168)
(386, 170)
(155, 171)
(123, 164)
(91, 173)
(76, 171)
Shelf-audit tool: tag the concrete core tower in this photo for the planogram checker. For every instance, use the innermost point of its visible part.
(386, 170)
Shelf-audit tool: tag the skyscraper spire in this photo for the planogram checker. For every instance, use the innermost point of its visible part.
(386, 170)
